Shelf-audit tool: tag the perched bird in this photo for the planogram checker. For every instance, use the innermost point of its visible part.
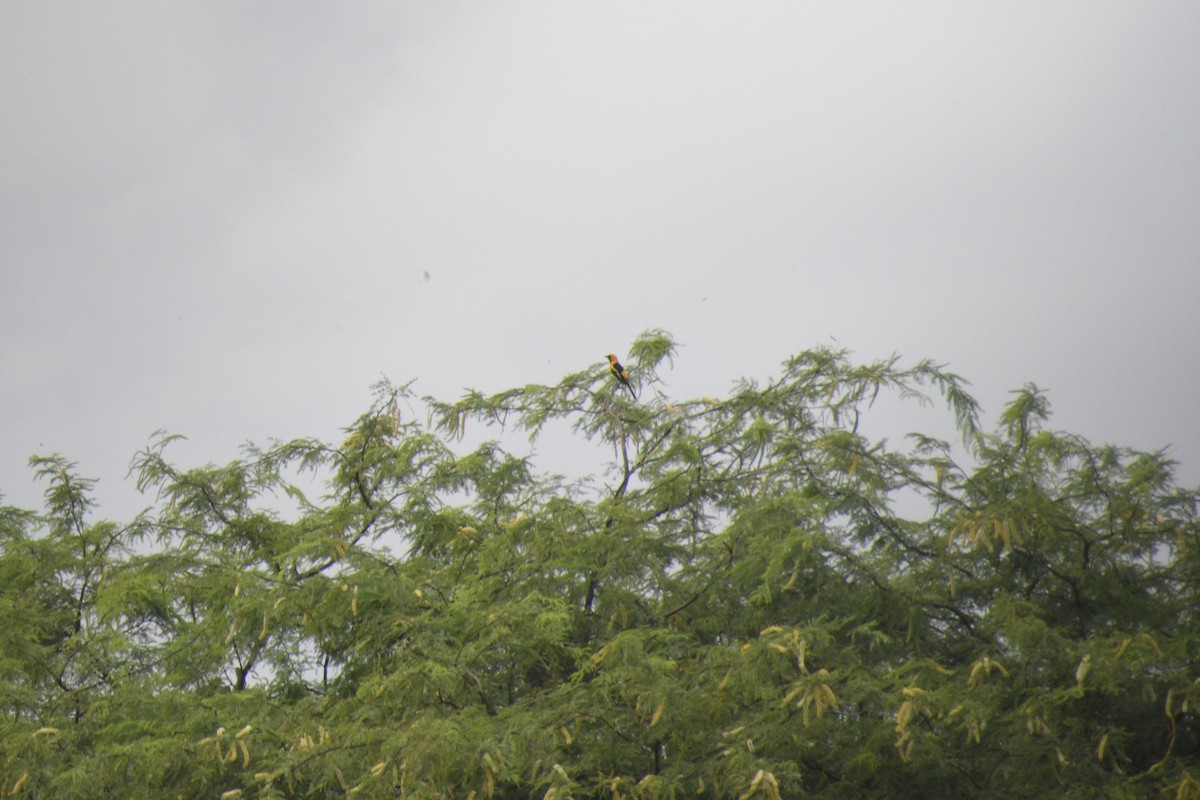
(620, 373)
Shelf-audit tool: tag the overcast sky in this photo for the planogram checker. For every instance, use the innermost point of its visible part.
(217, 218)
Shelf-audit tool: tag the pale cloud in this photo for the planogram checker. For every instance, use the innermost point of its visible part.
(218, 217)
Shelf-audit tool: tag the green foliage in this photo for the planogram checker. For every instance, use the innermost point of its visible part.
(749, 598)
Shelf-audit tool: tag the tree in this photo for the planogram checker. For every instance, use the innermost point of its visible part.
(749, 598)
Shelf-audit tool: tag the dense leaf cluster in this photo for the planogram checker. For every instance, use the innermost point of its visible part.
(748, 598)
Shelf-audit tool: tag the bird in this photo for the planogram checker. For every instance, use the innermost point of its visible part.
(620, 373)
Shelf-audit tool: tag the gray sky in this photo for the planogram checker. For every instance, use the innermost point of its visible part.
(216, 217)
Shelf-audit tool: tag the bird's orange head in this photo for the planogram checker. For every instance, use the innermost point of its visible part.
(612, 359)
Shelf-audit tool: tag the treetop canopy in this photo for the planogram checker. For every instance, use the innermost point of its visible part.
(748, 598)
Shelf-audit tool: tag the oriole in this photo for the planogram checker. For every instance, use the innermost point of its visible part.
(620, 373)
